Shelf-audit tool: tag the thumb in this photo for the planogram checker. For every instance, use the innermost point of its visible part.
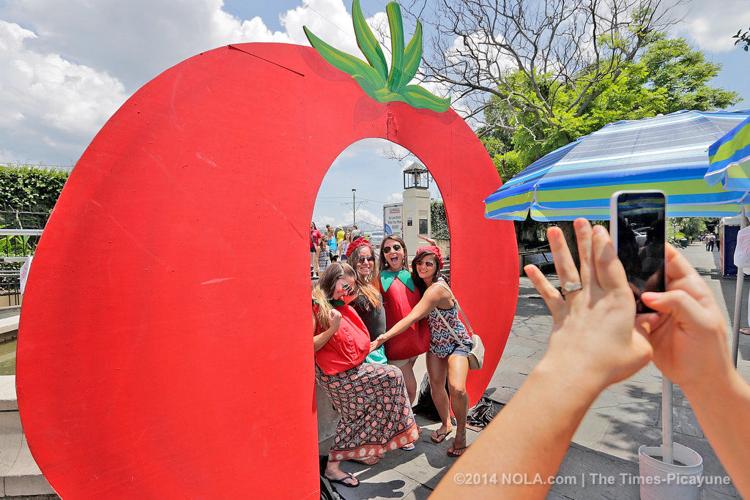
(676, 302)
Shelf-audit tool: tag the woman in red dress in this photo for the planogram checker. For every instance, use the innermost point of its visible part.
(400, 295)
(370, 398)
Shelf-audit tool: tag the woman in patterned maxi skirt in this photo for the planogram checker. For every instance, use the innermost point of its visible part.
(371, 399)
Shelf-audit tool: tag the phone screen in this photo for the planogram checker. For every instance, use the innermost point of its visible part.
(640, 242)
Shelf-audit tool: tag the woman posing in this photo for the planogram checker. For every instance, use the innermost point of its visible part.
(400, 295)
(450, 344)
(368, 302)
(370, 398)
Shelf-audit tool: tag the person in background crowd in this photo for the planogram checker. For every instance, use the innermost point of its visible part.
(450, 345)
(598, 340)
(323, 257)
(344, 245)
(340, 233)
(400, 295)
(315, 238)
(371, 399)
(333, 251)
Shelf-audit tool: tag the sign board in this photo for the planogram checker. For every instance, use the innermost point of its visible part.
(393, 218)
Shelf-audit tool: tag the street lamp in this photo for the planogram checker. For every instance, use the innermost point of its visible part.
(354, 207)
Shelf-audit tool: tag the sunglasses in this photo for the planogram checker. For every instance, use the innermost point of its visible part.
(347, 288)
(395, 248)
(426, 263)
(362, 260)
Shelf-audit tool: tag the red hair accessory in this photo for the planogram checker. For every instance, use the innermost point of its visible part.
(433, 250)
(356, 244)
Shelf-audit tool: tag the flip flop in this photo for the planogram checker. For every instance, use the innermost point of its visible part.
(348, 476)
(456, 452)
(438, 437)
(408, 447)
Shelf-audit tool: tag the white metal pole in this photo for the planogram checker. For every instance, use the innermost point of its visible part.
(738, 301)
(667, 450)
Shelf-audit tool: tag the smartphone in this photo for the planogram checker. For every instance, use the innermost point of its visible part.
(637, 226)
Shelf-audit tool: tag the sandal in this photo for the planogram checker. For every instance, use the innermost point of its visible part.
(408, 447)
(343, 480)
(438, 437)
(456, 452)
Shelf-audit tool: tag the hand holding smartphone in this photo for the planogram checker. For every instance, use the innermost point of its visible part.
(637, 226)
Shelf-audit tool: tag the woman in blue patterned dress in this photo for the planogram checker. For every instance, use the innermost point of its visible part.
(450, 344)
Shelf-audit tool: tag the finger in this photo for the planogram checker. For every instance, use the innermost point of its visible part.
(583, 238)
(549, 293)
(681, 275)
(677, 265)
(609, 271)
(646, 323)
(675, 302)
(564, 265)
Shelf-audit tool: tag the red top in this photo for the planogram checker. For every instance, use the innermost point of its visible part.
(348, 347)
(398, 302)
(315, 237)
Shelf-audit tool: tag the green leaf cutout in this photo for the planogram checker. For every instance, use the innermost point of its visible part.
(374, 78)
(397, 44)
(346, 62)
(367, 42)
(422, 98)
(412, 56)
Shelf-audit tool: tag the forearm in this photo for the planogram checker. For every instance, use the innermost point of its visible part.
(398, 328)
(320, 340)
(723, 411)
(529, 437)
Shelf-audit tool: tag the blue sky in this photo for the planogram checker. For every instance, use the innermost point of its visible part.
(64, 71)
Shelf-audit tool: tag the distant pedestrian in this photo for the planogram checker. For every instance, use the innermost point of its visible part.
(315, 238)
(324, 259)
(344, 246)
(333, 248)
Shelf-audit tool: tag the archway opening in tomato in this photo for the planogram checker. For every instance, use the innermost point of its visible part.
(373, 189)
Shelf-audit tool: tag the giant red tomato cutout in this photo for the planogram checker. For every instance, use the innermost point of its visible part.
(165, 347)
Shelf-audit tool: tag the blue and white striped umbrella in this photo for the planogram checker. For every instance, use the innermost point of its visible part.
(667, 152)
(730, 159)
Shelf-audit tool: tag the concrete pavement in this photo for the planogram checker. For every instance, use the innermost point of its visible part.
(625, 416)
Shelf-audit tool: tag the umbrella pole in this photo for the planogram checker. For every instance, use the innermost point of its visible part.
(738, 302)
(667, 451)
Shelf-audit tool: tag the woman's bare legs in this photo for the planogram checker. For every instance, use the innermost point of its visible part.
(410, 380)
(458, 368)
(437, 371)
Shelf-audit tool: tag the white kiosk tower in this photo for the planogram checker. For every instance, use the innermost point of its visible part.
(416, 207)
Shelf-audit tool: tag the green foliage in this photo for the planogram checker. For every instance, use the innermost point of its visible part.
(27, 196)
(438, 221)
(742, 39)
(686, 227)
(373, 76)
(669, 76)
(29, 189)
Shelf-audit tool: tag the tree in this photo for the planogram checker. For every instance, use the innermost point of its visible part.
(689, 227)
(667, 77)
(743, 37)
(483, 48)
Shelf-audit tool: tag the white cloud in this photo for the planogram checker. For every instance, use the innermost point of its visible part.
(711, 24)
(48, 102)
(397, 197)
(364, 215)
(63, 71)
